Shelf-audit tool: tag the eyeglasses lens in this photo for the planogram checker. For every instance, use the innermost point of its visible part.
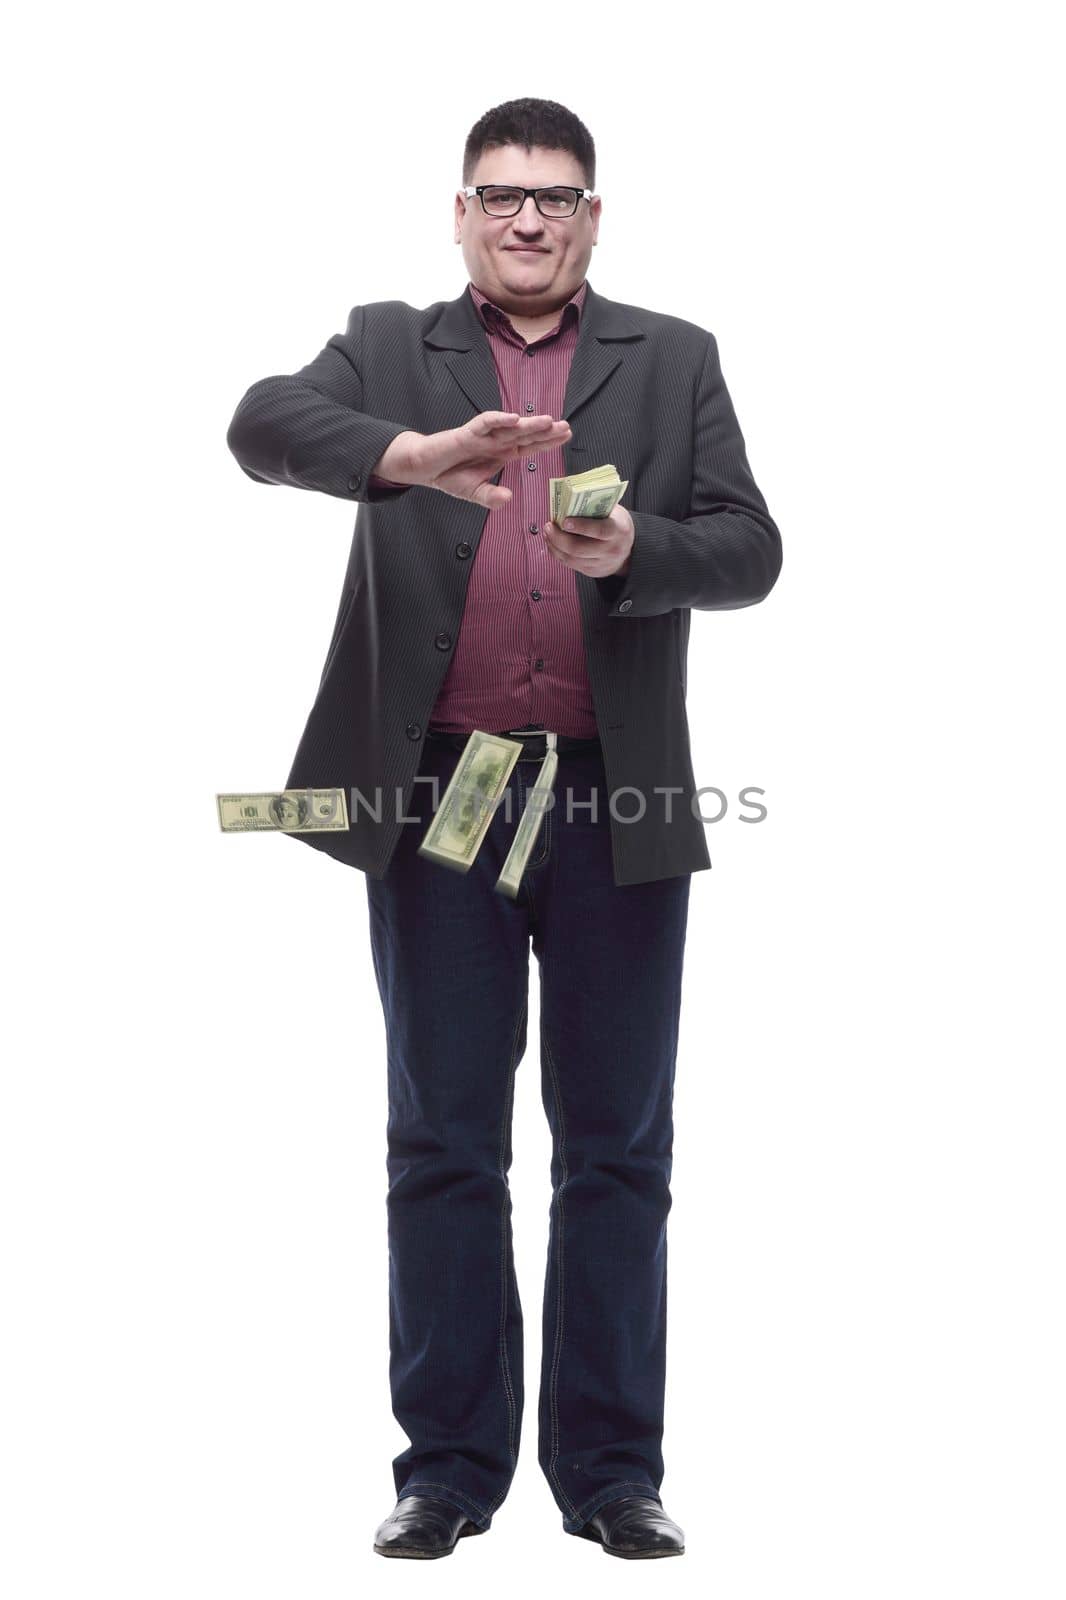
(501, 202)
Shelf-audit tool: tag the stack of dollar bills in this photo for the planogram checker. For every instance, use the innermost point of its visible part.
(586, 494)
(468, 804)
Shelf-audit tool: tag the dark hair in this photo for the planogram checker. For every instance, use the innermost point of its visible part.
(544, 123)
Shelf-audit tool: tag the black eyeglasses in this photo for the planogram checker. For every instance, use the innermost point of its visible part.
(506, 200)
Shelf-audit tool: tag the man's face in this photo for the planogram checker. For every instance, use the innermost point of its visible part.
(529, 284)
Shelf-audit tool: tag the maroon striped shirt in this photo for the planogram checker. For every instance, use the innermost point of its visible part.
(520, 654)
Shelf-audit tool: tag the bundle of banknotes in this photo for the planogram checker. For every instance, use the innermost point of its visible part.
(468, 805)
(586, 494)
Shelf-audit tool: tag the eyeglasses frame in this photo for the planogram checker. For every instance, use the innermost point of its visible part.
(479, 188)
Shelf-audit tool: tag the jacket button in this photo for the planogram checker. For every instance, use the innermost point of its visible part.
(443, 641)
(354, 481)
(624, 605)
(413, 730)
(462, 551)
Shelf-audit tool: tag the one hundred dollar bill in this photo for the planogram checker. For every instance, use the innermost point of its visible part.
(594, 493)
(529, 824)
(283, 811)
(468, 804)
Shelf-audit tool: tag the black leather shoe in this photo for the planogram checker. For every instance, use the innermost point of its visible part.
(633, 1527)
(423, 1526)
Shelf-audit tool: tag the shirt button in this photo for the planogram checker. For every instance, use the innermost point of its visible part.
(443, 641)
(535, 593)
(532, 527)
(529, 405)
(624, 605)
(539, 663)
(413, 730)
(531, 466)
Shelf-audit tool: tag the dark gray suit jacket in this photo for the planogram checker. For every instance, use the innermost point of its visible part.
(645, 392)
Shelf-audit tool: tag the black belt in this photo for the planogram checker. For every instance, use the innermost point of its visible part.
(532, 740)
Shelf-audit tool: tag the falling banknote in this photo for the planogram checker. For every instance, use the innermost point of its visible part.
(466, 809)
(529, 824)
(283, 811)
(586, 494)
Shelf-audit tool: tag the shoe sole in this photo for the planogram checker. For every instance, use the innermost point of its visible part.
(417, 1553)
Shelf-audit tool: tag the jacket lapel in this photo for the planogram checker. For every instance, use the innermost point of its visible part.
(460, 335)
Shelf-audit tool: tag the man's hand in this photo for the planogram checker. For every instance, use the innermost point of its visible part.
(597, 546)
(463, 461)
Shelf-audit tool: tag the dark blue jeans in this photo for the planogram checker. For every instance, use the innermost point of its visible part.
(451, 956)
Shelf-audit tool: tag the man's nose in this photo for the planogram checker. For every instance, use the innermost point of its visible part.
(521, 214)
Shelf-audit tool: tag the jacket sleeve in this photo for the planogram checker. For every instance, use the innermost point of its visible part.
(727, 552)
(306, 428)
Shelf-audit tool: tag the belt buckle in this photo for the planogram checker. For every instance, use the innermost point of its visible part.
(550, 738)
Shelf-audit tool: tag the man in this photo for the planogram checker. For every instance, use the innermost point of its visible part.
(465, 608)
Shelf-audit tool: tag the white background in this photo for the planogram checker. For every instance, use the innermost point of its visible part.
(865, 1376)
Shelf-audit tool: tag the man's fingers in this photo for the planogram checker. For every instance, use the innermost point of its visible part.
(492, 423)
(587, 527)
(536, 441)
(501, 450)
(489, 421)
(506, 421)
(492, 496)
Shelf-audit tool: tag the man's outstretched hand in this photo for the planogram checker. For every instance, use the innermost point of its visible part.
(463, 461)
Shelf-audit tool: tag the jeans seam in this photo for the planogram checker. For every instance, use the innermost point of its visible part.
(553, 1389)
(505, 1283)
(546, 838)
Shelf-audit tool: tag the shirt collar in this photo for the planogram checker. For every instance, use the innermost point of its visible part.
(488, 311)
